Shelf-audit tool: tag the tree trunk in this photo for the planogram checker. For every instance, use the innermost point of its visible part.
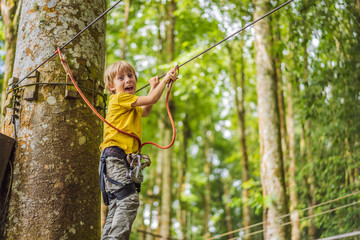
(207, 167)
(124, 31)
(310, 180)
(166, 187)
(166, 155)
(55, 191)
(280, 96)
(150, 200)
(10, 11)
(307, 132)
(104, 211)
(227, 209)
(294, 214)
(240, 109)
(181, 214)
(272, 172)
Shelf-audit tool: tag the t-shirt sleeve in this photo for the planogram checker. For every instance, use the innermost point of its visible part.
(140, 110)
(125, 100)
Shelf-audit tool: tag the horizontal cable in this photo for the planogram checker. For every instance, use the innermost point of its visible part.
(57, 84)
(156, 235)
(304, 218)
(342, 236)
(227, 38)
(283, 216)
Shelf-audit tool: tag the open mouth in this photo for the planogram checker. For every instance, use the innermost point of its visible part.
(129, 89)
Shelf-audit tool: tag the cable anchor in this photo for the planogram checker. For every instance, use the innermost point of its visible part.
(15, 105)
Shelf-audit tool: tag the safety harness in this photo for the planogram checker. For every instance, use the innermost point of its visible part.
(134, 173)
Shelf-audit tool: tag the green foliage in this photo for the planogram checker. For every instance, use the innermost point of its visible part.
(318, 47)
(324, 32)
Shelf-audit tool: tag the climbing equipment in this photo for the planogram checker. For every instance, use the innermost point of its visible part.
(124, 189)
(135, 164)
(135, 170)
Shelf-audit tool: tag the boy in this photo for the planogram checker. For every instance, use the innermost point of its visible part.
(124, 112)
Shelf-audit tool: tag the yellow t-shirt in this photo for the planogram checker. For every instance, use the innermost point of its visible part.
(126, 118)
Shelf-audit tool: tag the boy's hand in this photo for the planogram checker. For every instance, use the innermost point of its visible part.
(171, 76)
(154, 81)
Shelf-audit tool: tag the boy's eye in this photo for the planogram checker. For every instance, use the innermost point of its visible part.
(121, 77)
(130, 75)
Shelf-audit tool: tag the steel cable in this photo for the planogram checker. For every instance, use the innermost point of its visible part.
(283, 216)
(227, 38)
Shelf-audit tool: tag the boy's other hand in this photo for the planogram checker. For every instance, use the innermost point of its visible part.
(154, 81)
(171, 75)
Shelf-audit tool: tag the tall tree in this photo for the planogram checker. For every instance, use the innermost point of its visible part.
(55, 192)
(10, 11)
(166, 155)
(307, 123)
(279, 83)
(182, 165)
(227, 208)
(272, 172)
(294, 214)
(240, 111)
(207, 201)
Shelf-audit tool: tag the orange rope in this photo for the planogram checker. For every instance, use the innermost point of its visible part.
(68, 71)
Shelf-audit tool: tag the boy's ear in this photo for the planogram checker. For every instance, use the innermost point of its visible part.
(112, 90)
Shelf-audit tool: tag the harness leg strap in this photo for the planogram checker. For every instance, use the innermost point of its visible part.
(102, 180)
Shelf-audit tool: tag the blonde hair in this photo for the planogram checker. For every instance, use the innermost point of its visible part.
(114, 70)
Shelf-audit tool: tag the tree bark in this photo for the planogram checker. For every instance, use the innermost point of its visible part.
(55, 190)
(10, 12)
(272, 172)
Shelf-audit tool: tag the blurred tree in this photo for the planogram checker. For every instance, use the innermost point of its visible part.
(272, 172)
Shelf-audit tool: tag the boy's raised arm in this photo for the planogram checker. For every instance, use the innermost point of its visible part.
(155, 93)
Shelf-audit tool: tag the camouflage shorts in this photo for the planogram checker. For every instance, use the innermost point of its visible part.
(122, 213)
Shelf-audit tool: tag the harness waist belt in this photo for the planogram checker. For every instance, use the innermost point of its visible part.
(115, 151)
(123, 192)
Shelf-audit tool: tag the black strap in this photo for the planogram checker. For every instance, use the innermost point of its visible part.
(102, 181)
(123, 192)
(113, 181)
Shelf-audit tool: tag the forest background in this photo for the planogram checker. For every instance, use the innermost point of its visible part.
(209, 182)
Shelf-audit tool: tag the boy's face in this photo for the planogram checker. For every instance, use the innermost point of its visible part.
(125, 82)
